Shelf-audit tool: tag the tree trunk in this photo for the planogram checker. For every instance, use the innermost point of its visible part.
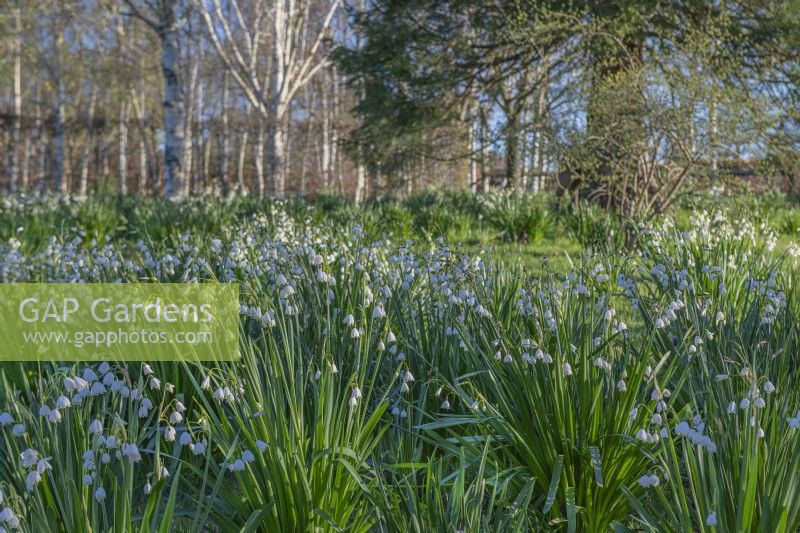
(484, 156)
(17, 118)
(206, 167)
(122, 148)
(259, 155)
(242, 189)
(190, 170)
(524, 151)
(225, 156)
(336, 162)
(83, 184)
(26, 162)
(173, 101)
(277, 157)
(473, 138)
(713, 134)
(58, 137)
(512, 140)
(326, 137)
(361, 180)
(41, 139)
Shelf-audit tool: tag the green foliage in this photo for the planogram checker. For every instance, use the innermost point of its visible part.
(413, 386)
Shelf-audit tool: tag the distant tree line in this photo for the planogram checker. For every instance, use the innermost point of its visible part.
(624, 102)
(628, 101)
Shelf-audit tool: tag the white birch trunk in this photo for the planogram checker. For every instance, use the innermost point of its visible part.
(277, 158)
(326, 138)
(122, 148)
(225, 156)
(174, 115)
(242, 189)
(473, 156)
(83, 183)
(17, 119)
(713, 131)
(259, 156)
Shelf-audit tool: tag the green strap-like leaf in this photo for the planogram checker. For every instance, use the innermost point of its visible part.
(594, 451)
(554, 479)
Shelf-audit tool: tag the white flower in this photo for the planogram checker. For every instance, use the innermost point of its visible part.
(44, 411)
(445, 405)
(236, 466)
(43, 464)
(95, 427)
(409, 377)
(649, 481)
(175, 418)
(185, 439)
(248, 457)
(131, 451)
(198, 447)
(169, 433)
(29, 457)
(261, 445)
(768, 387)
(566, 369)
(349, 320)
(744, 404)
(32, 479)
(711, 519)
(154, 383)
(100, 494)
(18, 430)
(206, 384)
(731, 407)
(6, 419)
(54, 416)
(62, 402)
(87, 479)
(148, 488)
(70, 384)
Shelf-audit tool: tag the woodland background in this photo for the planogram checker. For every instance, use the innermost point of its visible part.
(629, 103)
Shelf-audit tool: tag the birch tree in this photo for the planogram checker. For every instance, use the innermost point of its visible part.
(162, 16)
(16, 127)
(272, 49)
